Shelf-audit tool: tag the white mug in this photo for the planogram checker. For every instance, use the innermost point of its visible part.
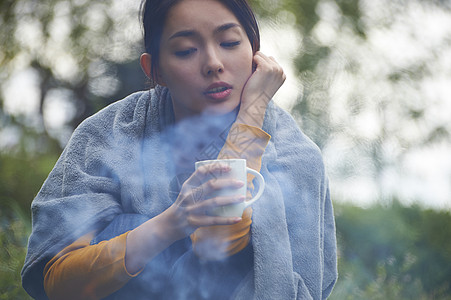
(238, 171)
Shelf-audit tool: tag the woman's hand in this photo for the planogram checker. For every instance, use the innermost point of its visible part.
(196, 199)
(189, 212)
(261, 86)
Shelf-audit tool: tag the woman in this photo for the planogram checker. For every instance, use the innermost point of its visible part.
(104, 223)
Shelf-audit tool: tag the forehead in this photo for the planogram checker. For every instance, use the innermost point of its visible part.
(198, 15)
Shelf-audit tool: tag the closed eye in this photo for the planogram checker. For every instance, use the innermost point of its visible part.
(230, 44)
(185, 53)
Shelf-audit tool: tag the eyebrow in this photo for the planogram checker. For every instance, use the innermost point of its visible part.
(225, 27)
(189, 33)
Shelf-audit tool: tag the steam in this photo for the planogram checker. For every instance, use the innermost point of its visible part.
(147, 175)
(195, 139)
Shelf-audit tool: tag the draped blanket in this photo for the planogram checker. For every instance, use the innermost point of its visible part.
(121, 160)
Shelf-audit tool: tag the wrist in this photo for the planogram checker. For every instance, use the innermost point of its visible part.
(145, 242)
(252, 116)
(169, 230)
(252, 110)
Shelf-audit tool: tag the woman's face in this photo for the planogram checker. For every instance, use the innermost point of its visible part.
(205, 58)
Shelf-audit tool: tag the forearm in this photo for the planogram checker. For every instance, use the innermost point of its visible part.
(148, 240)
(248, 142)
(252, 112)
(83, 271)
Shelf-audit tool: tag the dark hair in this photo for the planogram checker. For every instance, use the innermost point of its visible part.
(154, 13)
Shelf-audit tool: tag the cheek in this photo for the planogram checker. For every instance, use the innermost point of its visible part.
(176, 74)
(247, 58)
(243, 64)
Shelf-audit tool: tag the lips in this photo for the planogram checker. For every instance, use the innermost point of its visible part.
(218, 90)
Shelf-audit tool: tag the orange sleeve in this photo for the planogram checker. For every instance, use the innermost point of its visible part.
(84, 271)
(243, 141)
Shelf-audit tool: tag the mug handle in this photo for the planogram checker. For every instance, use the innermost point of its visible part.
(261, 186)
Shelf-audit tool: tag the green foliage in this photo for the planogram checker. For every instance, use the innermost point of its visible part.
(21, 177)
(22, 174)
(393, 252)
(72, 48)
(14, 232)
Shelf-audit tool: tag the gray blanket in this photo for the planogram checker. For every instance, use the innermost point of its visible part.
(121, 161)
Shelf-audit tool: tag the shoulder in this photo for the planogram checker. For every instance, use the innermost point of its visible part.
(125, 117)
(119, 114)
(124, 110)
(291, 145)
(281, 125)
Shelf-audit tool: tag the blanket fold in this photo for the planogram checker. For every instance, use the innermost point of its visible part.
(121, 160)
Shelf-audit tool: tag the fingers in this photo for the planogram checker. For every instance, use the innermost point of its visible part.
(269, 64)
(196, 215)
(199, 193)
(213, 185)
(268, 77)
(207, 171)
(209, 178)
(192, 188)
(204, 207)
(197, 221)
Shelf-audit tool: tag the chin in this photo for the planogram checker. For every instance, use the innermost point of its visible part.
(222, 109)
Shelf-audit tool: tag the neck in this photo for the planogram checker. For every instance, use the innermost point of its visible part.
(181, 113)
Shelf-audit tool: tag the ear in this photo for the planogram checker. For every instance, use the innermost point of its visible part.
(146, 65)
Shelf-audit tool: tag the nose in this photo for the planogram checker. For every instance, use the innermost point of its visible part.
(212, 63)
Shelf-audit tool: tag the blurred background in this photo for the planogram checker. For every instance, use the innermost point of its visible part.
(368, 81)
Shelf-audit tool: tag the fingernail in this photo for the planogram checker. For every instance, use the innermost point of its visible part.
(239, 183)
(237, 219)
